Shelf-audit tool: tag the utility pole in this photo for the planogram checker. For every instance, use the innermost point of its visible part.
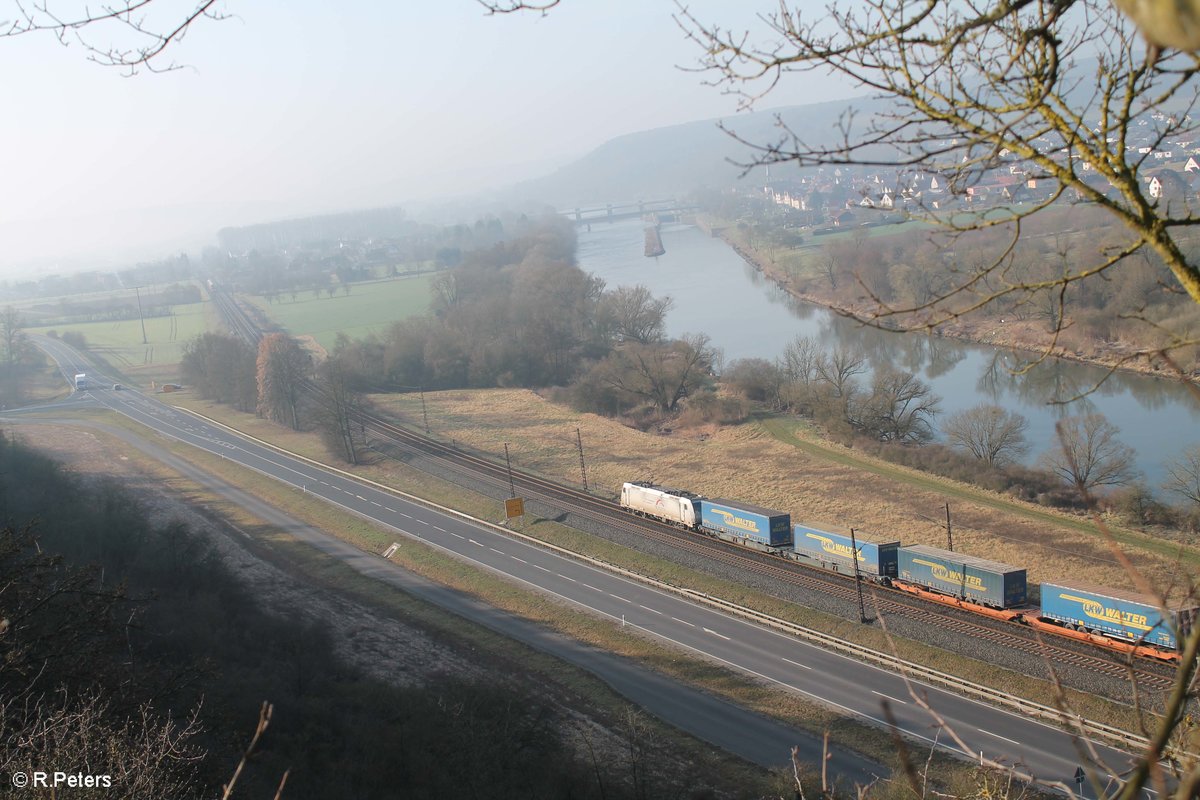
(512, 488)
(862, 608)
(424, 413)
(582, 465)
(141, 319)
(946, 527)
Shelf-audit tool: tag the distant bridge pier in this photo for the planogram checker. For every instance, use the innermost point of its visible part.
(578, 215)
(610, 212)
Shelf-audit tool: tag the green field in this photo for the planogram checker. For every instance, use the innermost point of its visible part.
(120, 343)
(370, 307)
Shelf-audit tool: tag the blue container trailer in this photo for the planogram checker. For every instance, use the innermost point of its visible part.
(834, 551)
(1128, 616)
(977, 580)
(745, 521)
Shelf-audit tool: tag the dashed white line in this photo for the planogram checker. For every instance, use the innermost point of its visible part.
(423, 522)
(360, 497)
(376, 504)
(392, 510)
(514, 558)
(889, 697)
(998, 736)
(714, 633)
(593, 588)
(538, 566)
(472, 541)
(567, 578)
(452, 533)
(406, 516)
(439, 528)
(684, 621)
(648, 608)
(610, 594)
(796, 663)
(494, 550)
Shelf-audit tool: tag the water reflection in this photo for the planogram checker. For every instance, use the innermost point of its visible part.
(717, 293)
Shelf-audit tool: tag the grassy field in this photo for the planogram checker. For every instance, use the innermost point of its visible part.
(120, 343)
(369, 307)
(778, 463)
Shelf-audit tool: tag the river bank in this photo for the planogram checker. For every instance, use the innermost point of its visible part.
(1025, 336)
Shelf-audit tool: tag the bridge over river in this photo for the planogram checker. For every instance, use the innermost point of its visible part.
(665, 210)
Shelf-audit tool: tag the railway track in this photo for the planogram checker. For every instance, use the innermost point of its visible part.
(532, 487)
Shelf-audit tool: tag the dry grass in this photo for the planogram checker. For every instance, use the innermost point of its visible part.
(821, 484)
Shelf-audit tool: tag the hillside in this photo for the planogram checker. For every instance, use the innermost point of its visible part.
(679, 158)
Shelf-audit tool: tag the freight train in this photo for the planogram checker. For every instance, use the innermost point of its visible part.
(1110, 618)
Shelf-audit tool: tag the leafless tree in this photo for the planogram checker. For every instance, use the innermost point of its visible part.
(282, 369)
(1184, 474)
(131, 35)
(337, 408)
(839, 368)
(1088, 455)
(661, 374)
(989, 433)
(800, 359)
(900, 408)
(1054, 91)
(635, 314)
(11, 337)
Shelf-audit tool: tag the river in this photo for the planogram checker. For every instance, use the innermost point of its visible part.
(746, 315)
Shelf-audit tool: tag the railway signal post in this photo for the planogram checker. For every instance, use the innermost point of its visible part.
(862, 608)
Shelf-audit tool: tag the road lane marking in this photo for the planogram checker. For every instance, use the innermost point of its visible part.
(452, 533)
(539, 566)
(620, 598)
(376, 504)
(567, 578)
(684, 621)
(889, 697)
(494, 550)
(406, 516)
(439, 528)
(594, 588)
(392, 510)
(648, 608)
(796, 663)
(998, 736)
(360, 497)
(423, 522)
(472, 541)
(523, 561)
(714, 633)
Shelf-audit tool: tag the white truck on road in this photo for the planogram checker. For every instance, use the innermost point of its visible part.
(81, 381)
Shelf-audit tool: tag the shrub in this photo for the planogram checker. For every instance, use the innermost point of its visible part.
(75, 339)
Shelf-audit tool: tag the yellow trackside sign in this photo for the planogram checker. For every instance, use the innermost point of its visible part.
(514, 507)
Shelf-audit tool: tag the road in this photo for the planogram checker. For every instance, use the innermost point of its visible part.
(833, 680)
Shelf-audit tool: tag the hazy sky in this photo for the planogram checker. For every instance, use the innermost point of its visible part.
(303, 106)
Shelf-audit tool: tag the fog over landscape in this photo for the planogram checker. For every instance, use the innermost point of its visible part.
(600, 400)
(286, 109)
